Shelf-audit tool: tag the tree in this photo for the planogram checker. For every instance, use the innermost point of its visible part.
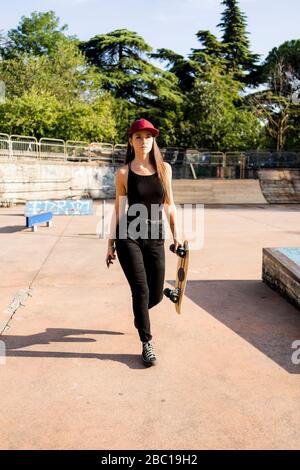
(35, 35)
(65, 74)
(182, 68)
(275, 107)
(122, 60)
(40, 114)
(34, 113)
(216, 116)
(3, 41)
(124, 114)
(212, 51)
(237, 54)
(278, 104)
(88, 122)
(288, 54)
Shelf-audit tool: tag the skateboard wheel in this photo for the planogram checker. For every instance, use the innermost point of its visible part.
(174, 298)
(167, 292)
(180, 251)
(172, 295)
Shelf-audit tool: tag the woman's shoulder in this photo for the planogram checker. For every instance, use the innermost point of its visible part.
(168, 167)
(123, 170)
(122, 175)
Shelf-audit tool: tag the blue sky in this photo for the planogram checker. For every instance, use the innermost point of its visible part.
(164, 23)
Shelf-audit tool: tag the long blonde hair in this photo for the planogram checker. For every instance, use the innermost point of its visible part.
(156, 160)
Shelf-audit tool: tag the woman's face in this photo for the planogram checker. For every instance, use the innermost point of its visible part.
(142, 141)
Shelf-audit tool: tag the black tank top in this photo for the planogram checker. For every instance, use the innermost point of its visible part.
(144, 189)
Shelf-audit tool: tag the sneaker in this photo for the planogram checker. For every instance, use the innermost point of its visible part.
(148, 355)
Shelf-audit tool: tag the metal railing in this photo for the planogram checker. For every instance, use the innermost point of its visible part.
(205, 163)
(52, 148)
(187, 163)
(23, 147)
(102, 151)
(19, 146)
(77, 150)
(4, 145)
(119, 153)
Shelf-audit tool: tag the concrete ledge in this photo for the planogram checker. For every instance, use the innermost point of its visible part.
(281, 271)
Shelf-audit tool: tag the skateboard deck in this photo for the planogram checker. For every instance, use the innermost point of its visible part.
(176, 295)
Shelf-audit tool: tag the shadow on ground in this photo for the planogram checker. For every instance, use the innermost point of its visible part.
(14, 344)
(12, 228)
(253, 311)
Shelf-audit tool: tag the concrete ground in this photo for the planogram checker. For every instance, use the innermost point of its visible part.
(73, 378)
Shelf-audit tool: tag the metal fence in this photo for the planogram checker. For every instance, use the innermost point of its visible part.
(18, 146)
(52, 149)
(23, 147)
(187, 163)
(100, 151)
(4, 145)
(238, 164)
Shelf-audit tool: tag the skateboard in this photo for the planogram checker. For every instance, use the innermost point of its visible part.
(176, 295)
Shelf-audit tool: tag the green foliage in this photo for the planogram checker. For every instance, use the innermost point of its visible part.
(278, 105)
(182, 68)
(42, 115)
(212, 52)
(217, 118)
(121, 58)
(65, 74)
(238, 56)
(92, 123)
(281, 69)
(60, 87)
(35, 35)
(35, 114)
(124, 114)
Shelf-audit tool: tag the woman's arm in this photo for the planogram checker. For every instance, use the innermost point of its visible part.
(118, 206)
(171, 208)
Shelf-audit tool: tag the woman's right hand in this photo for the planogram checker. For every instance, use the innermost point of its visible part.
(110, 255)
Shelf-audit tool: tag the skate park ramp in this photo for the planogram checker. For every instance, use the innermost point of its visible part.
(280, 186)
(271, 187)
(213, 191)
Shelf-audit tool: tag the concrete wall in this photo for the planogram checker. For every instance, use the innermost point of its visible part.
(23, 180)
(30, 180)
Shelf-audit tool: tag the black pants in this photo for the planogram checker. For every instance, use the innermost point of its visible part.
(143, 263)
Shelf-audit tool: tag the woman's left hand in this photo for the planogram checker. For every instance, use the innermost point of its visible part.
(177, 242)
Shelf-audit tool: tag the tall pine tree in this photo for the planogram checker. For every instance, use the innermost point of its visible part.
(237, 52)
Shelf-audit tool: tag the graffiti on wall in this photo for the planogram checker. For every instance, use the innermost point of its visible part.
(60, 207)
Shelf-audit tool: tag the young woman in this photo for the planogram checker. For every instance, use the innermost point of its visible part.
(146, 181)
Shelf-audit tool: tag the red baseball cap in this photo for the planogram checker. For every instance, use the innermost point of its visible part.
(143, 125)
